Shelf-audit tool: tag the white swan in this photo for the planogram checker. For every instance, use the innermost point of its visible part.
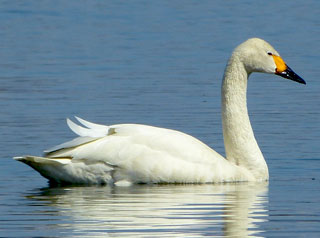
(130, 153)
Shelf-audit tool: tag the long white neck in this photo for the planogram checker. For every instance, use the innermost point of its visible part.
(240, 144)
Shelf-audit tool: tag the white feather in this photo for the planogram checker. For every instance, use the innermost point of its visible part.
(70, 144)
(93, 125)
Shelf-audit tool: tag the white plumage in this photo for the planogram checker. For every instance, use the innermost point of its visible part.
(130, 153)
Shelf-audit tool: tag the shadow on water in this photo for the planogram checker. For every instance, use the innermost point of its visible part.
(151, 210)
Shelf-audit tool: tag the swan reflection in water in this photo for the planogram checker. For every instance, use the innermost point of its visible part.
(157, 210)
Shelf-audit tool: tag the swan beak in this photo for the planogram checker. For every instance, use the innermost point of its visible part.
(290, 74)
(285, 71)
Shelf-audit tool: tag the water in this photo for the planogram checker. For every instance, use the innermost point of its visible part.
(158, 63)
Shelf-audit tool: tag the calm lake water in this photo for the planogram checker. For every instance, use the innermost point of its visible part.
(157, 63)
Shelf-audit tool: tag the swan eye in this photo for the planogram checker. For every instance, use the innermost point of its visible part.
(269, 53)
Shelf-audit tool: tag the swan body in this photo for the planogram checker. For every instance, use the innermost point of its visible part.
(130, 153)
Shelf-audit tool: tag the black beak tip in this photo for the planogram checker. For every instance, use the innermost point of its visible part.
(290, 74)
(298, 79)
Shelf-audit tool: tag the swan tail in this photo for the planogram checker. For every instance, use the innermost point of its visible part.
(29, 159)
(47, 167)
(57, 163)
(64, 171)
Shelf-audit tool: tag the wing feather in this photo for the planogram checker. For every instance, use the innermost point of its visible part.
(92, 125)
(70, 144)
(89, 133)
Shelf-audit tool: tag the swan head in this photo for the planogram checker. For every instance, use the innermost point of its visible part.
(258, 55)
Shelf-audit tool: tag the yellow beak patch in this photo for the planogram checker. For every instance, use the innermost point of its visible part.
(281, 65)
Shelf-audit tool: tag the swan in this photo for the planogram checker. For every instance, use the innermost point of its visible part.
(126, 154)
